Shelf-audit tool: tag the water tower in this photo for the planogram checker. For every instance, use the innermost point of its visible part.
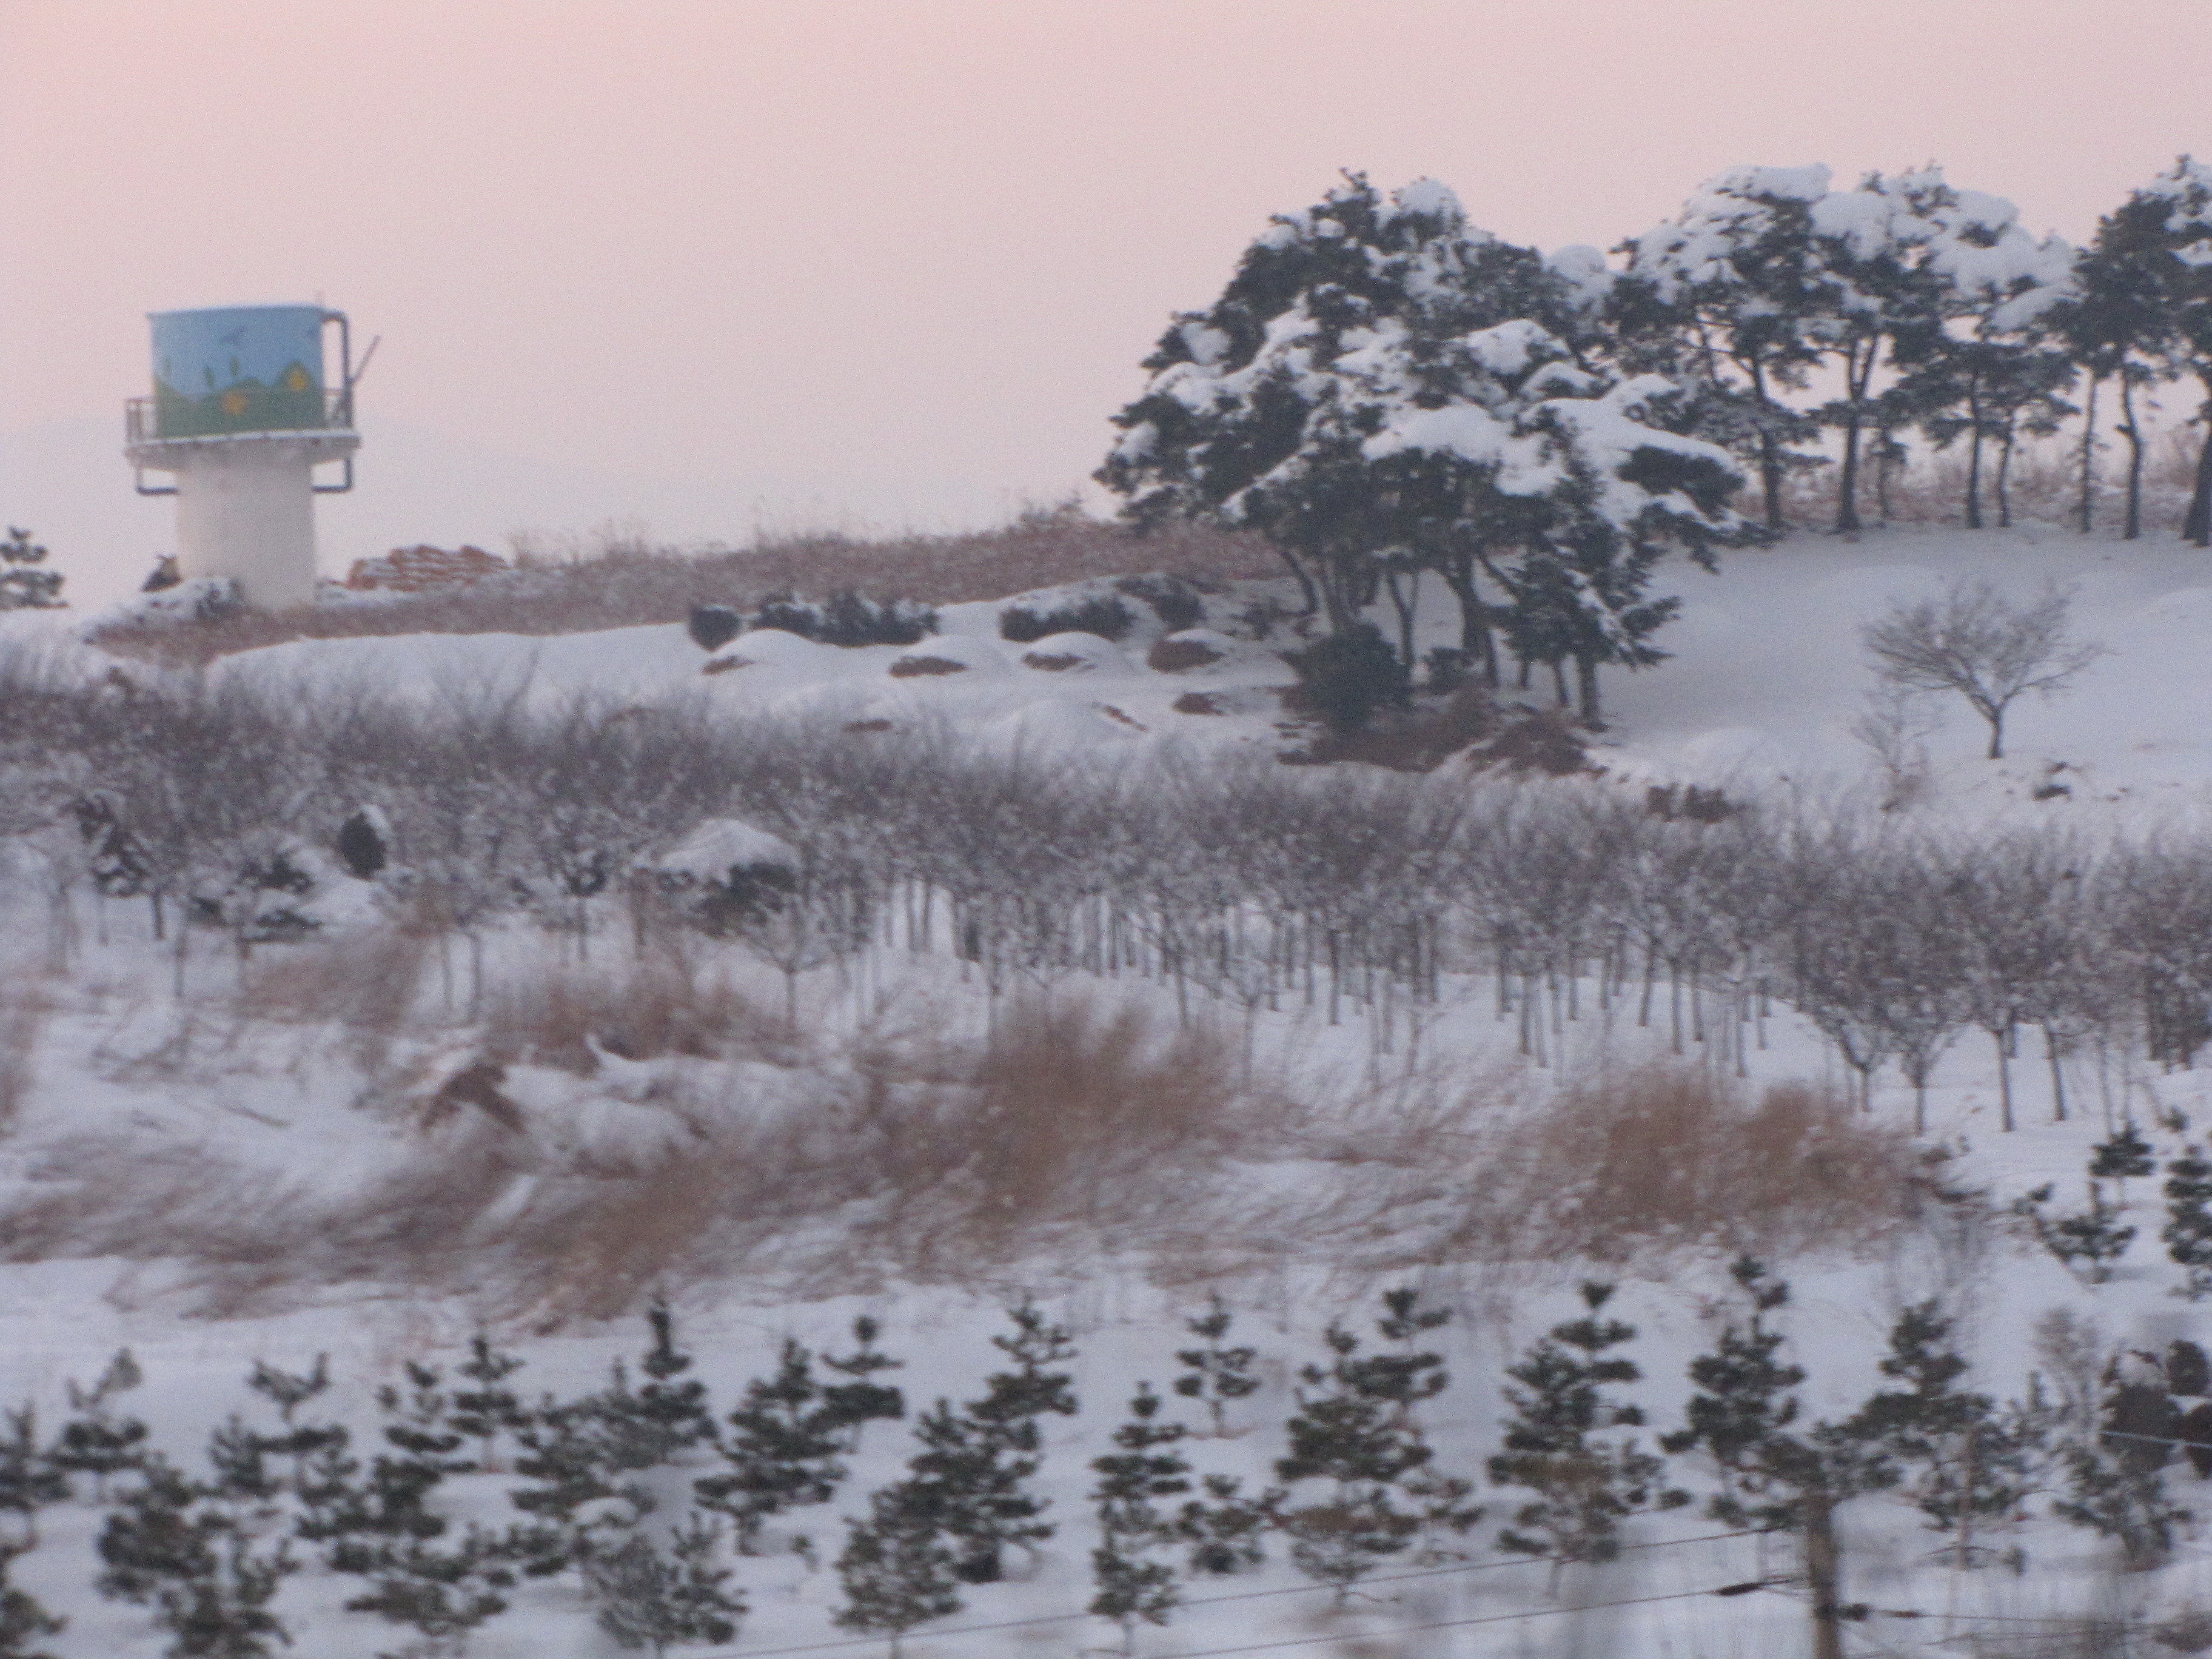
(241, 418)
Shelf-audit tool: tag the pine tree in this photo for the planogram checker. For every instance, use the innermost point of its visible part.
(648, 1598)
(850, 1406)
(1585, 1483)
(782, 1450)
(22, 587)
(29, 1480)
(2188, 1231)
(488, 1408)
(97, 1441)
(1218, 1373)
(1960, 1460)
(1743, 1406)
(1349, 1433)
(167, 1546)
(1226, 1530)
(971, 1481)
(24, 1622)
(895, 1573)
(288, 1391)
(2116, 1484)
(2095, 1236)
(1134, 1588)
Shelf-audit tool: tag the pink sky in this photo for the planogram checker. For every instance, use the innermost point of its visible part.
(898, 260)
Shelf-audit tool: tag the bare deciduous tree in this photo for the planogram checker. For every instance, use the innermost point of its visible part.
(1977, 643)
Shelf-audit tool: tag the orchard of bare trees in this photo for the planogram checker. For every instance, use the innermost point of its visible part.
(1354, 895)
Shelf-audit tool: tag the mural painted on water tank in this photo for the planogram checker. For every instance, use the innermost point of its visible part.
(240, 369)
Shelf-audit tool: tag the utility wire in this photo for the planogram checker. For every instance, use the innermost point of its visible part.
(1240, 1595)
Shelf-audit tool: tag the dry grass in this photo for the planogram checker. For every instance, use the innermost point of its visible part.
(642, 1012)
(1668, 1155)
(1076, 1131)
(625, 583)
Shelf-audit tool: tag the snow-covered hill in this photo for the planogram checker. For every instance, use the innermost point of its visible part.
(370, 1145)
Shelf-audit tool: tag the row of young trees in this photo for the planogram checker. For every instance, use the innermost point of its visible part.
(651, 1501)
(1260, 887)
(1385, 390)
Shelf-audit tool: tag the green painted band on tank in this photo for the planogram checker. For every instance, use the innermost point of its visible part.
(295, 403)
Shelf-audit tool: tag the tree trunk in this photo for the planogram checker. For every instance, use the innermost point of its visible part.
(1824, 1576)
(1474, 636)
(1586, 672)
(1974, 460)
(1858, 375)
(1769, 451)
(1996, 735)
(1407, 602)
(1305, 581)
(2132, 528)
(2004, 475)
(2087, 509)
(2197, 527)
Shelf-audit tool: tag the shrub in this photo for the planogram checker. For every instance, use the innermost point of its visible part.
(1346, 678)
(848, 618)
(1104, 615)
(714, 626)
(1175, 601)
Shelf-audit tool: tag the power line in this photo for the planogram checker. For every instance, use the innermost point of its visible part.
(1218, 1600)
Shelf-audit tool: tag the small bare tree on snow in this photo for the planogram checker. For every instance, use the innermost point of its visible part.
(1975, 642)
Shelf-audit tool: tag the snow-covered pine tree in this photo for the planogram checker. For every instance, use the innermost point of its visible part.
(2122, 1157)
(676, 1598)
(849, 1407)
(782, 1449)
(486, 1407)
(1961, 1461)
(1218, 1373)
(24, 1621)
(1586, 1482)
(29, 1478)
(2146, 304)
(2187, 1234)
(97, 1441)
(895, 1572)
(1133, 1586)
(23, 586)
(1727, 294)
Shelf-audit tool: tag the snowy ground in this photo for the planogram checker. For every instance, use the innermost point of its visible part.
(1767, 677)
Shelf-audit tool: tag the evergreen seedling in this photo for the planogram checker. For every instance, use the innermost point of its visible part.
(895, 1573)
(971, 1481)
(848, 1407)
(649, 1598)
(1743, 1406)
(1219, 1373)
(782, 1450)
(23, 586)
(2123, 1156)
(2094, 1237)
(96, 1441)
(1134, 1588)
(168, 1549)
(24, 1622)
(28, 1479)
(2115, 1485)
(2188, 1231)
(487, 1408)
(1226, 1530)
(1350, 1433)
(1585, 1482)
(1960, 1460)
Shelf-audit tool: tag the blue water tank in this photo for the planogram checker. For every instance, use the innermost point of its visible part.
(238, 368)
